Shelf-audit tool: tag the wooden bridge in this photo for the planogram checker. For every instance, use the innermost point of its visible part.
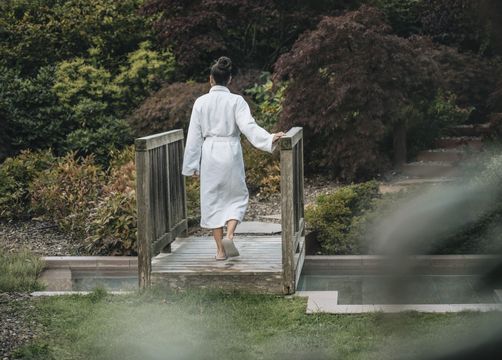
(166, 256)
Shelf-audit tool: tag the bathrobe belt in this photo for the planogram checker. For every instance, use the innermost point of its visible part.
(222, 138)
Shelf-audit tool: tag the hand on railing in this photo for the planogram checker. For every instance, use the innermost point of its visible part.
(277, 136)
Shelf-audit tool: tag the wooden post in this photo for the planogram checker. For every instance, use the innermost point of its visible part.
(144, 217)
(287, 220)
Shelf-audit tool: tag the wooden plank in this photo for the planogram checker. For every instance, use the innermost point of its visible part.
(299, 262)
(291, 138)
(153, 141)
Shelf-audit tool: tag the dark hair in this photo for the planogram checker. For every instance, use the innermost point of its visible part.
(221, 70)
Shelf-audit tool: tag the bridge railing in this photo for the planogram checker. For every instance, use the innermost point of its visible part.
(160, 196)
(292, 208)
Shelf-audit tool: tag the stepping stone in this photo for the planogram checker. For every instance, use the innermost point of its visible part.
(319, 300)
(257, 227)
(272, 217)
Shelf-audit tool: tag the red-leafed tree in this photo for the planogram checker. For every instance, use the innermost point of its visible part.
(251, 32)
(350, 83)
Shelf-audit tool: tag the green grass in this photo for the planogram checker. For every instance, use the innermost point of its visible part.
(215, 325)
(19, 271)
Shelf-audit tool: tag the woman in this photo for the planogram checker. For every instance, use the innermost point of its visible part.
(214, 152)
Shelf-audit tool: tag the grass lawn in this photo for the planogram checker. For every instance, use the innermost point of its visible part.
(157, 324)
(214, 325)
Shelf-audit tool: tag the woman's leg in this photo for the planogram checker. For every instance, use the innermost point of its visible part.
(231, 225)
(218, 236)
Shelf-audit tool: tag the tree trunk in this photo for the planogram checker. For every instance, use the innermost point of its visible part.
(400, 143)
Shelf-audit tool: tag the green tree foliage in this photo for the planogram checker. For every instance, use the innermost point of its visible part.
(35, 33)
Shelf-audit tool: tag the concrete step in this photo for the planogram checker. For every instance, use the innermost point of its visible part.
(471, 143)
(450, 155)
(429, 169)
(468, 130)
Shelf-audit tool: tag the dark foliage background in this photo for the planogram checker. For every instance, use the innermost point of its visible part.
(255, 33)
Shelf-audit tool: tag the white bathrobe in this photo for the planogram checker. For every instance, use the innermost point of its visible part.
(214, 151)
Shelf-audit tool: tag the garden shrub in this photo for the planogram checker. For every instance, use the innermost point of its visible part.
(350, 82)
(268, 101)
(112, 225)
(32, 116)
(263, 171)
(334, 215)
(167, 109)
(16, 173)
(109, 133)
(67, 192)
(441, 113)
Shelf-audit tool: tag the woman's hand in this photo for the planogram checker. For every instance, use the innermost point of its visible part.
(277, 136)
(195, 175)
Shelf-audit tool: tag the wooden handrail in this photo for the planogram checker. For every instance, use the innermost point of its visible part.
(160, 196)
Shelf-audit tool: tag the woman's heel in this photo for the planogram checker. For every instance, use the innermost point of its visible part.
(229, 247)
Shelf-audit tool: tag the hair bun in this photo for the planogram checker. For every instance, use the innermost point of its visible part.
(224, 63)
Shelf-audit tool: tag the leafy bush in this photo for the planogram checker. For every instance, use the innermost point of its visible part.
(268, 100)
(110, 133)
(146, 69)
(112, 225)
(440, 113)
(16, 174)
(263, 171)
(334, 216)
(350, 82)
(32, 116)
(167, 109)
(67, 192)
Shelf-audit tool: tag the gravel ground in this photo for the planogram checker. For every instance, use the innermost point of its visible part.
(40, 237)
(16, 325)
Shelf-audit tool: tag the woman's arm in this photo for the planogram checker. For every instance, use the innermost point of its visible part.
(257, 136)
(193, 147)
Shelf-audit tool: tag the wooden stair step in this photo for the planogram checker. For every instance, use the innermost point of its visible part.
(469, 130)
(470, 142)
(429, 169)
(450, 155)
